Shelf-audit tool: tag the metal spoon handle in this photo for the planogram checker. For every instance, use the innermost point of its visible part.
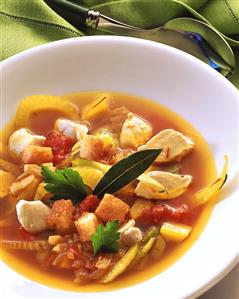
(68, 10)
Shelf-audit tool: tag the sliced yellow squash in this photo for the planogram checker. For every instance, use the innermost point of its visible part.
(10, 167)
(205, 194)
(96, 108)
(36, 103)
(158, 249)
(143, 251)
(90, 171)
(6, 180)
(121, 265)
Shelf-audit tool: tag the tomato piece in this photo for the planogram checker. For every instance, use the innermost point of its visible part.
(157, 212)
(177, 214)
(61, 145)
(89, 204)
(162, 212)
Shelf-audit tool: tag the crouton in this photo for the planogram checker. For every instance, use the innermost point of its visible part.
(112, 208)
(61, 216)
(91, 147)
(86, 225)
(34, 154)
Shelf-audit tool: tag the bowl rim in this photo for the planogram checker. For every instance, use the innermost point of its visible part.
(203, 286)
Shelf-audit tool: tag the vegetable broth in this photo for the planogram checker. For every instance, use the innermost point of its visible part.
(199, 163)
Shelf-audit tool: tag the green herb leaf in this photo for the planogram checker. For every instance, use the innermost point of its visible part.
(106, 238)
(125, 171)
(64, 183)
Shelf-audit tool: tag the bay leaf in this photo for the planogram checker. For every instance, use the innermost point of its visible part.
(125, 171)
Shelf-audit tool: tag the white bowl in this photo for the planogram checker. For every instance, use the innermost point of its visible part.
(176, 80)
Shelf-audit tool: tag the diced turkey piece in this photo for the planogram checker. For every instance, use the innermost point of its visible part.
(86, 226)
(135, 132)
(112, 208)
(20, 139)
(174, 145)
(33, 215)
(162, 185)
(71, 129)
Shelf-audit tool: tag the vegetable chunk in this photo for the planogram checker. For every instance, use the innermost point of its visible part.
(112, 208)
(96, 108)
(122, 264)
(174, 145)
(135, 132)
(162, 185)
(175, 232)
(6, 180)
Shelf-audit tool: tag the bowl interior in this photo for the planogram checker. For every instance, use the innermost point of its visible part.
(162, 74)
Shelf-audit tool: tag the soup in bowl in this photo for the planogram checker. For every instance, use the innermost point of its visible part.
(102, 189)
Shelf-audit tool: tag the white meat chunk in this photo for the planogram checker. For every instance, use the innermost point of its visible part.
(20, 139)
(135, 132)
(33, 215)
(71, 129)
(162, 185)
(131, 236)
(174, 145)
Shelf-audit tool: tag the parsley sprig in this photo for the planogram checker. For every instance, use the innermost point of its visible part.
(64, 183)
(106, 238)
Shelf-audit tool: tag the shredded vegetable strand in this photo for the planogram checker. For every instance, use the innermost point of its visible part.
(25, 245)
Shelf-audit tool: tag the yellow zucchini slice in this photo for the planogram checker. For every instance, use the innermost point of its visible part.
(158, 249)
(175, 232)
(205, 194)
(10, 167)
(143, 251)
(121, 265)
(6, 180)
(36, 103)
(96, 108)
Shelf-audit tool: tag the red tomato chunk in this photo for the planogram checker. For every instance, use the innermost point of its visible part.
(61, 145)
(157, 213)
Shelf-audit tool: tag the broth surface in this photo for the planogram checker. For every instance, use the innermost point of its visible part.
(199, 163)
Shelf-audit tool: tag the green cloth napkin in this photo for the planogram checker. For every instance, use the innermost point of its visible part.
(28, 23)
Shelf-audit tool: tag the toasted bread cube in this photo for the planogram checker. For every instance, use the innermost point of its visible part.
(86, 225)
(112, 208)
(34, 154)
(61, 216)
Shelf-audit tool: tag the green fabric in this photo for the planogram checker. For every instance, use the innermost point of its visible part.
(28, 23)
(25, 24)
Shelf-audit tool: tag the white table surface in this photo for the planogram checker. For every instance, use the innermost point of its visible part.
(227, 288)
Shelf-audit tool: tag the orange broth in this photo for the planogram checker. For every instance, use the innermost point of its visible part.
(199, 163)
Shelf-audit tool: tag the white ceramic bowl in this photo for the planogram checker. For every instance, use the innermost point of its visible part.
(163, 74)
